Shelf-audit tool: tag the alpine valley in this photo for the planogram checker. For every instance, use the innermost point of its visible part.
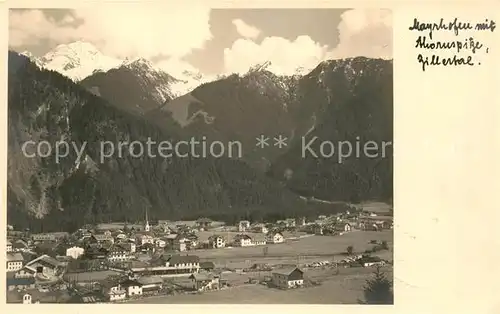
(77, 94)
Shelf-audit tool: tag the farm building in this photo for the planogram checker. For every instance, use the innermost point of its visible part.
(288, 278)
(150, 283)
(202, 282)
(46, 266)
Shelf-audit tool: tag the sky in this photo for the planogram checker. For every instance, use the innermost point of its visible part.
(211, 41)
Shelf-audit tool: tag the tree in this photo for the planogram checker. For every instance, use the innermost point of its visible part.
(350, 249)
(378, 290)
(384, 245)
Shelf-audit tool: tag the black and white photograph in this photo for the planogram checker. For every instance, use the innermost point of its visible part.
(183, 154)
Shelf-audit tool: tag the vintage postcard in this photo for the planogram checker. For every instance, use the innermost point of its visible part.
(205, 154)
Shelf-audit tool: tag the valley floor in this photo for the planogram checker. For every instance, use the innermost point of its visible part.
(336, 286)
(343, 288)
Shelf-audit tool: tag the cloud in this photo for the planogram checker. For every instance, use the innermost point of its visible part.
(175, 67)
(125, 31)
(285, 55)
(365, 33)
(246, 30)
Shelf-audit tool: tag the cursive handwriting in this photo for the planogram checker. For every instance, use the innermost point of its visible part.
(468, 44)
(437, 60)
(455, 25)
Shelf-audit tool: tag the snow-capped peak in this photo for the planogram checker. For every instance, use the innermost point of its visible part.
(27, 54)
(77, 60)
(140, 63)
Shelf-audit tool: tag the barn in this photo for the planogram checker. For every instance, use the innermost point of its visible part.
(288, 278)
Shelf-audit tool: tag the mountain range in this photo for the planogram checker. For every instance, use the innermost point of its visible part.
(79, 60)
(76, 96)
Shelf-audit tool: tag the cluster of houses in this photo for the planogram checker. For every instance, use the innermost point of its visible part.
(345, 222)
(44, 258)
(217, 241)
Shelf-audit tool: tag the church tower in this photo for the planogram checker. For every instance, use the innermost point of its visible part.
(146, 225)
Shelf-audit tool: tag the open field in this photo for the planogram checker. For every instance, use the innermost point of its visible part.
(89, 276)
(229, 235)
(343, 288)
(303, 250)
(376, 207)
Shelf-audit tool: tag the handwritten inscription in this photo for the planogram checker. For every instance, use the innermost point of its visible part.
(464, 50)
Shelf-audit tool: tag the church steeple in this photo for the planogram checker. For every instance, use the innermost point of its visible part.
(146, 226)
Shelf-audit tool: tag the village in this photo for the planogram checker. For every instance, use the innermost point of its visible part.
(179, 262)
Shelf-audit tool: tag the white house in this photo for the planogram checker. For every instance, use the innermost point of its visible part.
(288, 278)
(121, 236)
(260, 228)
(275, 237)
(343, 227)
(145, 238)
(118, 254)
(132, 287)
(242, 240)
(160, 243)
(243, 226)
(259, 239)
(113, 291)
(180, 244)
(217, 241)
(75, 252)
(14, 261)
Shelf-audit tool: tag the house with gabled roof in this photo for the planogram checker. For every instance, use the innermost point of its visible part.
(216, 241)
(203, 223)
(132, 286)
(25, 272)
(119, 253)
(150, 284)
(207, 266)
(205, 281)
(20, 246)
(275, 237)
(15, 261)
(342, 227)
(113, 290)
(102, 237)
(286, 278)
(242, 240)
(46, 266)
(243, 225)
